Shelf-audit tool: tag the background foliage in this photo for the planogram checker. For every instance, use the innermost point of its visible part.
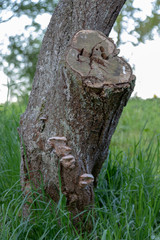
(19, 60)
(22, 53)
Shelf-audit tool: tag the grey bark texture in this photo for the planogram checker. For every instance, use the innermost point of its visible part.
(78, 94)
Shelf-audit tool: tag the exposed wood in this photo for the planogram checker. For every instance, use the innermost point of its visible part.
(93, 56)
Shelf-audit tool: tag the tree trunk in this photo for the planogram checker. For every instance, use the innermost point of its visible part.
(78, 94)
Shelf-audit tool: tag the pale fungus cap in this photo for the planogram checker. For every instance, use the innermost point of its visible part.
(86, 179)
(59, 145)
(68, 161)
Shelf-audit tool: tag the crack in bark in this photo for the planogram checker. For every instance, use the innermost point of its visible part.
(84, 21)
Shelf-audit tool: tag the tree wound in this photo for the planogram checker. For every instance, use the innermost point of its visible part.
(94, 56)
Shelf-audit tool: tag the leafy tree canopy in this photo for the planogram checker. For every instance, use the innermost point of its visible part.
(138, 25)
(19, 60)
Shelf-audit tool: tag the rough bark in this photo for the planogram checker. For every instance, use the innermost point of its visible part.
(78, 94)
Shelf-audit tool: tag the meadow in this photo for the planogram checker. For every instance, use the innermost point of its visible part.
(127, 198)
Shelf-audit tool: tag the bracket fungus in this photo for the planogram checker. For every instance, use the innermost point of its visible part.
(43, 118)
(59, 145)
(85, 180)
(62, 150)
(68, 161)
(53, 141)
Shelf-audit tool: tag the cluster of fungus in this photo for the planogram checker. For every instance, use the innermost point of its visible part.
(63, 151)
(67, 160)
(85, 180)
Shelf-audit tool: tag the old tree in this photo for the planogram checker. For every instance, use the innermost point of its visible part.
(78, 94)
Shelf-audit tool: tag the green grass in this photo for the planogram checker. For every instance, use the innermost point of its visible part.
(140, 117)
(127, 198)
